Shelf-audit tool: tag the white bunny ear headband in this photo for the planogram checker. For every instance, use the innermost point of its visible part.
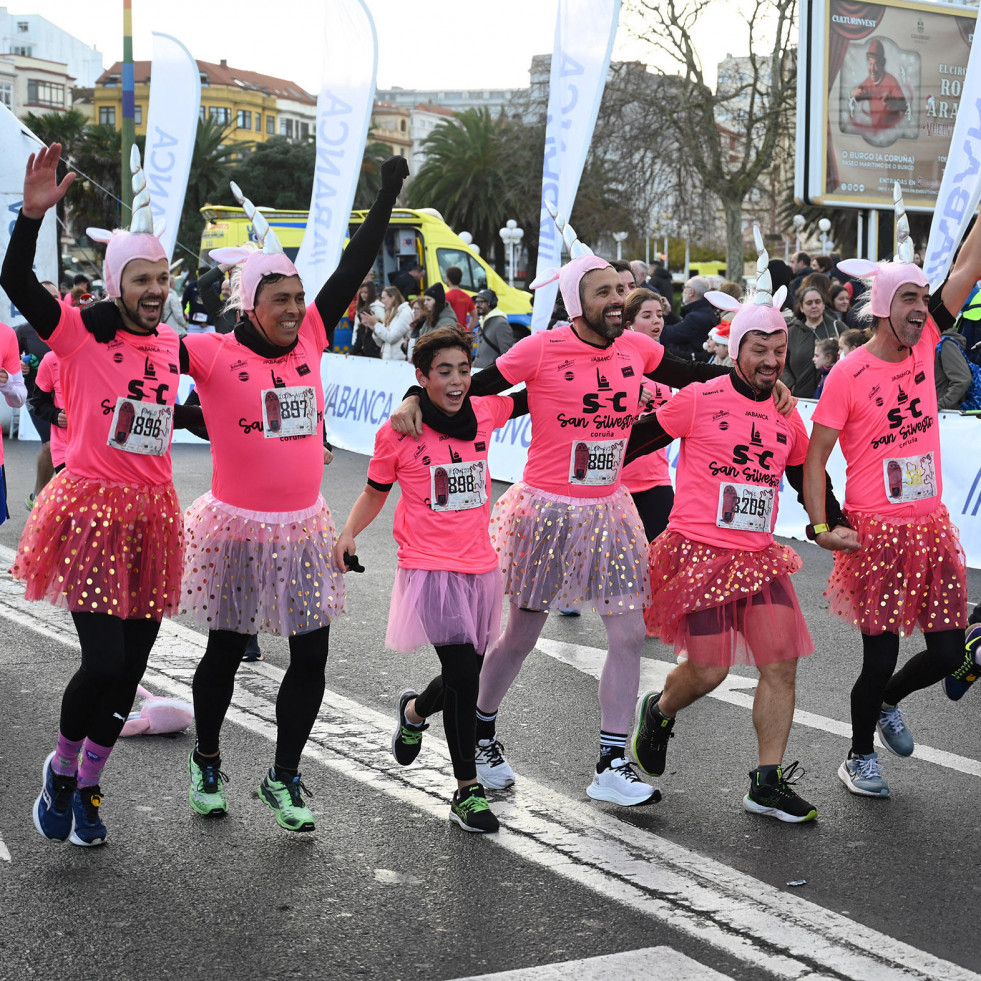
(139, 242)
(573, 246)
(887, 277)
(763, 295)
(265, 236)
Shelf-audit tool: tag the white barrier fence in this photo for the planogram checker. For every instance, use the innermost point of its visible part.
(361, 393)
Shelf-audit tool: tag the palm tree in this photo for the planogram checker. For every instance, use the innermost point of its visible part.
(369, 177)
(469, 176)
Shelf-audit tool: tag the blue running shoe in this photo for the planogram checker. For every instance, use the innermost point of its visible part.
(957, 683)
(89, 830)
(894, 732)
(53, 808)
(862, 775)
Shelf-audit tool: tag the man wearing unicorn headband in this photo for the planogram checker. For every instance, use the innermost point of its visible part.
(104, 538)
(881, 403)
(260, 543)
(568, 534)
(720, 584)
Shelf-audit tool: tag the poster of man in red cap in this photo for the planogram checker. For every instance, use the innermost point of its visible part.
(880, 101)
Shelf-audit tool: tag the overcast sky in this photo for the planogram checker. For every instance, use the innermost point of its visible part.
(421, 43)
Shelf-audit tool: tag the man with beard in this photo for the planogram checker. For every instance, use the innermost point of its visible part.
(568, 534)
(720, 584)
(881, 403)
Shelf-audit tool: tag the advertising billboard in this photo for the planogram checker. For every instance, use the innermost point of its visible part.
(879, 90)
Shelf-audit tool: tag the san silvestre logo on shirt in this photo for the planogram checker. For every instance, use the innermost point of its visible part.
(906, 419)
(758, 472)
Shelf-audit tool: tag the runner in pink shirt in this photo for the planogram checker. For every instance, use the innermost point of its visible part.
(48, 403)
(14, 392)
(881, 404)
(720, 584)
(260, 542)
(567, 534)
(104, 537)
(448, 587)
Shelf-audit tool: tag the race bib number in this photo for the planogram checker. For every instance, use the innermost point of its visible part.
(596, 461)
(458, 486)
(289, 411)
(141, 427)
(909, 478)
(745, 507)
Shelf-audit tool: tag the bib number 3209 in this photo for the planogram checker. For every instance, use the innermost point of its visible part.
(745, 507)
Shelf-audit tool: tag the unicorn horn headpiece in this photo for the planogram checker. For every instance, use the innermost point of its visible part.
(761, 311)
(139, 242)
(571, 274)
(269, 260)
(887, 277)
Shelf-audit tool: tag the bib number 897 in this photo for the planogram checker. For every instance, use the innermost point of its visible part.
(293, 409)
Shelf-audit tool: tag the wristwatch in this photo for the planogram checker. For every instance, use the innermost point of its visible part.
(812, 531)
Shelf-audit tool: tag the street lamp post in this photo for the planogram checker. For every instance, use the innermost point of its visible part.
(825, 226)
(619, 238)
(798, 223)
(511, 236)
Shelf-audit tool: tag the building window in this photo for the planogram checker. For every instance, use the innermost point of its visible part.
(137, 115)
(45, 94)
(221, 114)
(7, 94)
(23, 26)
(243, 118)
(304, 129)
(23, 49)
(286, 128)
(258, 122)
(107, 115)
(270, 125)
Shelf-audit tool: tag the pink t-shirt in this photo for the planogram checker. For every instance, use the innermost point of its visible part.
(49, 379)
(119, 400)
(583, 401)
(886, 413)
(733, 455)
(264, 418)
(441, 520)
(9, 360)
(651, 469)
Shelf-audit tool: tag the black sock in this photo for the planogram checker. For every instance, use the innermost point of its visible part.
(206, 760)
(486, 725)
(283, 774)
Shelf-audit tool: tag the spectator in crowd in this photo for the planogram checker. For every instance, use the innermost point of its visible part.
(800, 266)
(408, 281)
(214, 289)
(390, 330)
(812, 322)
(825, 356)
(639, 268)
(822, 264)
(194, 308)
(84, 282)
(717, 344)
(822, 282)
(851, 339)
(460, 300)
(841, 301)
(698, 317)
(732, 288)
(365, 343)
(625, 273)
(438, 312)
(418, 310)
(953, 374)
(780, 275)
(661, 281)
(496, 335)
(670, 317)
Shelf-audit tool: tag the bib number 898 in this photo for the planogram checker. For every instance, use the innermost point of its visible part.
(461, 484)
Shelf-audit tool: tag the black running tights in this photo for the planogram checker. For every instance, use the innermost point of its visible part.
(454, 693)
(100, 694)
(298, 701)
(877, 683)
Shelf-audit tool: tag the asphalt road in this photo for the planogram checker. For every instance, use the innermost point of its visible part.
(387, 888)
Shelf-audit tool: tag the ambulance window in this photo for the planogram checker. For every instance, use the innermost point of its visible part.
(474, 277)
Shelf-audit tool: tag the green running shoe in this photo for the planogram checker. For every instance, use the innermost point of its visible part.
(207, 790)
(470, 810)
(407, 740)
(286, 799)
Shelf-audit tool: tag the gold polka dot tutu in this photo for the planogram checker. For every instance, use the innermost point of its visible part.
(561, 553)
(909, 572)
(725, 606)
(95, 546)
(252, 571)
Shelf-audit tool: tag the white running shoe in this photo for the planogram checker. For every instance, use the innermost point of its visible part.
(619, 784)
(493, 770)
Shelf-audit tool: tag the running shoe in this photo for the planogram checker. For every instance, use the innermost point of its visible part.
(775, 796)
(89, 830)
(407, 740)
(957, 683)
(286, 799)
(650, 742)
(29, 502)
(53, 815)
(862, 775)
(252, 652)
(470, 810)
(894, 732)
(617, 783)
(493, 770)
(207, 791)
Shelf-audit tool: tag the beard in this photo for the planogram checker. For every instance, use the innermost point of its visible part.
(610, 331)
(136, 316)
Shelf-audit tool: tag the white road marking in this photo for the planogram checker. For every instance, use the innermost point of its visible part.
(589, 660)
(774, 932)
(4, 851)
(630, 965)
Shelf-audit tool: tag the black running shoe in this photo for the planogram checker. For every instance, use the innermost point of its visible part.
(407, 740)
(775, 797)
(650, 742)
(470, 810)
(957, 682)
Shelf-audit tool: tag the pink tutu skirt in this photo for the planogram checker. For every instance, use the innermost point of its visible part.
(252, 571)
(440, 608)
(725, 606)
(909, 571)
(95, 546)
(562, 553)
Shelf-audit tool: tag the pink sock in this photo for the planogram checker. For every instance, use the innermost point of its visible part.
(65, 761)
(94, 759)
